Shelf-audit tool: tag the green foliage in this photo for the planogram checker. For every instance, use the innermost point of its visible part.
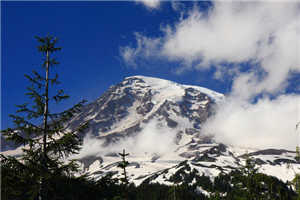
(296, 184)
(246, 183)
(297, 157)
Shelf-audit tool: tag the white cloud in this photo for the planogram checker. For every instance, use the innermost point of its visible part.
(150, 4)
(153, 139)
(177, 5)
(267, 124)
(145, 48)
(264, 34)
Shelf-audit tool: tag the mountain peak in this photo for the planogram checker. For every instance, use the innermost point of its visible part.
(170, 88)
(126, 108)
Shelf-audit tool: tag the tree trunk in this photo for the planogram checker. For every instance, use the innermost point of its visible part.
(43, 189)
(46, 106)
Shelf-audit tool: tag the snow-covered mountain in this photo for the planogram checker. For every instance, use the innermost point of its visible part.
(128, 106)
(159, 123)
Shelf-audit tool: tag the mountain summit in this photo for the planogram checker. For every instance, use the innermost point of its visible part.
(128, 106)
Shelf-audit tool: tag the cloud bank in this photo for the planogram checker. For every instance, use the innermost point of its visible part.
(266, 36)
(266, 124)
(153, 139)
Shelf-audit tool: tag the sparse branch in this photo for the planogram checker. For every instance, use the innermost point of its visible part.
(22, 124)
(54, 80)
(30, 113)
(60, 96)
(35, 81)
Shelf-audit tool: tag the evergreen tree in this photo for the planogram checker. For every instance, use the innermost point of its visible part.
(46, 140)
(249, 172)
(296, 183)
(250, 168)
(123, 164)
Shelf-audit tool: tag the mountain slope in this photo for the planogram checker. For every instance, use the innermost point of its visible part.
(159, 123)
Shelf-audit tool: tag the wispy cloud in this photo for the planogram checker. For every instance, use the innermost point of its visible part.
(145, 48)
(150, 4)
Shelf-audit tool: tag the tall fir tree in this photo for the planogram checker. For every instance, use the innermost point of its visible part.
(123, 164)
(45, 138)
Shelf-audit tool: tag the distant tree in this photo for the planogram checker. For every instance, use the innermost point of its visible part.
(123, 164)
(296, 184)
(249, 171)
(297, 157)
(46, 140)
(125, 182)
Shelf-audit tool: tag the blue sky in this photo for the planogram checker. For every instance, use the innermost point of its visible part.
(248, 50)
(91, 35)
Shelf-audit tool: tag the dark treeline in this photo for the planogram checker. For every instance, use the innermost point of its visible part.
(17, 184)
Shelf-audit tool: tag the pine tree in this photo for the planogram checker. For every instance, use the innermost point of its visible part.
(250, 168)
(123, 164)
(46, 140)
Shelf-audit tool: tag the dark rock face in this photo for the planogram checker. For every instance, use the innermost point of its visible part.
(146, 105)
(87, 161)
(270, 152)
(109, 109)
(155, 157)
(259, 161)
(204, 157)
(283, 161)
(199, 113)
(191, 131)
(276, 153)
(188, 155)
